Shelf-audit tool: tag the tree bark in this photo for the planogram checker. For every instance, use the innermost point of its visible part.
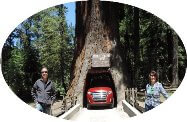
(62, 59)
(62, 64)
(175, 80)
(170, 52)
(173, 57)
(97, 32)
(136, 29)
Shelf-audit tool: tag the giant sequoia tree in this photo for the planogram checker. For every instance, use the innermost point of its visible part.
(97, 32)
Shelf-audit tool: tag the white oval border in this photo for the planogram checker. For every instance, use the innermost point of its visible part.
(13, 12)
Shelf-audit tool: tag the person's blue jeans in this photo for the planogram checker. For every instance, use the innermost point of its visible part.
(148, 107)
(43, 108)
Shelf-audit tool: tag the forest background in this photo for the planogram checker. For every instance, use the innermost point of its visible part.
(46, 39)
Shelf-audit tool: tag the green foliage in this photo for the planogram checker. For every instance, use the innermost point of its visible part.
(14, 73)
(154, 47)
(54, 44)
(42, 39)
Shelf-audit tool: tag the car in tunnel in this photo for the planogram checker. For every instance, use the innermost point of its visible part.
(100, 96)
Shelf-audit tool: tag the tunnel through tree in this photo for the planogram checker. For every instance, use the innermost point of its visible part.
(97, 32)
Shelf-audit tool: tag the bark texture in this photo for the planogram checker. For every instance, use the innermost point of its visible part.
(97, 32)
(136, 38)
(172, 40)
(175, 79)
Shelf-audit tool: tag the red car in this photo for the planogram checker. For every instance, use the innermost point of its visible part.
(100, 96)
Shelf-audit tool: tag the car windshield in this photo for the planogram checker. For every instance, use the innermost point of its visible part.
(100, 81)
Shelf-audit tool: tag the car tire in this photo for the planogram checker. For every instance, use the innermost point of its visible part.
(112, 105)
(88, 106)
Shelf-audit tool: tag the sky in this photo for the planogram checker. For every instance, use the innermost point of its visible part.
(70, 15)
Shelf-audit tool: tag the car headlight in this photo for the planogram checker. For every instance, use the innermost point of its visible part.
(90, 93)
(109, 92)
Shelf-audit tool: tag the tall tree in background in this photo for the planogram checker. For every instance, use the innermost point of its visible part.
(18, 75)
(126, 38)
(155, 47)
(6, 53)
(56, 45)
(169, 37)
(62, 28)
(97, 32)
(136, 39)
(31, 55)
(173, 47)
(42, 39)
(175, 79)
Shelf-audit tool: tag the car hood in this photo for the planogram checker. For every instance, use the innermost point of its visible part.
(99, 89)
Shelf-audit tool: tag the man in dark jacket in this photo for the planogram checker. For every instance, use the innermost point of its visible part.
(43, 92)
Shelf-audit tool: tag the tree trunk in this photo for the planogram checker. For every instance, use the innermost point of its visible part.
(62, 65)
(175, 80)
(173, 57)
(62, 59)
(97, 32)
(136, 29)
(170, 52)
